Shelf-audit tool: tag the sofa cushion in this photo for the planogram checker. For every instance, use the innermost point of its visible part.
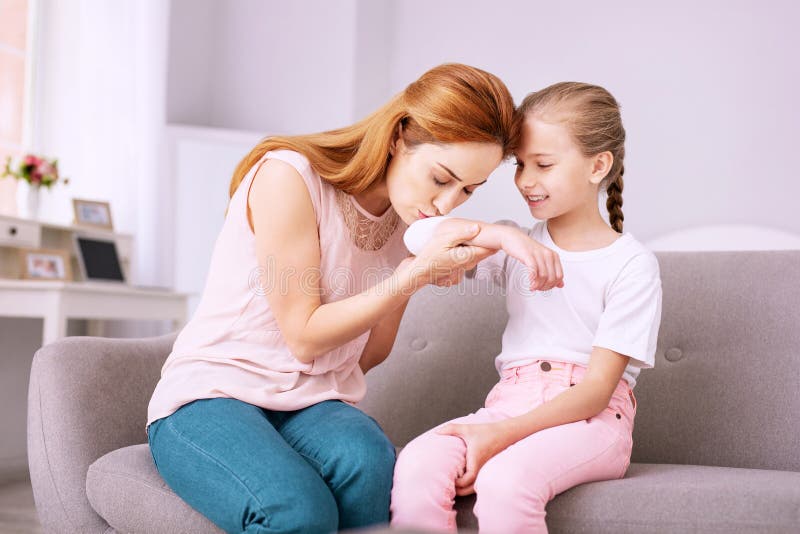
(666, 498)
(125, 489)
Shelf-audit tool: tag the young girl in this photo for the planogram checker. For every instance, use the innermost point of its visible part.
(562, 413)
(252, 422)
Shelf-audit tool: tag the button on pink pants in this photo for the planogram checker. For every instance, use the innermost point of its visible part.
(513, 488)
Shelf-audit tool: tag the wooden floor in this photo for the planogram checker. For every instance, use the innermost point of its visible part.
(17, 511)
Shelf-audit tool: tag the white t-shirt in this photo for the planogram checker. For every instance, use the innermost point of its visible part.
(611, 299)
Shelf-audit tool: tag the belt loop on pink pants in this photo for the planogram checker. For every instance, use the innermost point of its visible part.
(568, 374)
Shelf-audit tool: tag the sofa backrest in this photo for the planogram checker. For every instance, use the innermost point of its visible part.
(725, 389)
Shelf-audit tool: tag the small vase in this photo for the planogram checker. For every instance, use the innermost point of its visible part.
(32, 205)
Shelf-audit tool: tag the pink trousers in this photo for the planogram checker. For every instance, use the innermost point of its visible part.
(513, 488)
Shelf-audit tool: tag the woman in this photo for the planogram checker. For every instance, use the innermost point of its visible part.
(252, 422)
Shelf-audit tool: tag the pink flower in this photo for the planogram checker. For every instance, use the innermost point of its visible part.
(47, 169)
(37, 171)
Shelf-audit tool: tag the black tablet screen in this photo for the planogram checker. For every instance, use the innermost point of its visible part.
(100, 259)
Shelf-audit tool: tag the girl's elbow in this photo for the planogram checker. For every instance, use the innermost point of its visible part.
(601, 403)
(596, 398)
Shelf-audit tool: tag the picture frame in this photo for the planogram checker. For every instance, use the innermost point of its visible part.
(45, 264)
(95, 213)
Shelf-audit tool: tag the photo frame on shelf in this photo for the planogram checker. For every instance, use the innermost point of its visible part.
(95, 213)
(45, 264)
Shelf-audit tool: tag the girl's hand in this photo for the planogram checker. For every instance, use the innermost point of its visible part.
(544, 264)
(483, 442)
(444, 259)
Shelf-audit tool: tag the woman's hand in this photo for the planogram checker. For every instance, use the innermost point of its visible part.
(444, 259)
(483, 441)
(544, 264)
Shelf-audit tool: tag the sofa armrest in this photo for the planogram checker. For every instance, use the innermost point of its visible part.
(86, 397)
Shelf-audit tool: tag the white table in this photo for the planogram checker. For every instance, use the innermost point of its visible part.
(58, 301)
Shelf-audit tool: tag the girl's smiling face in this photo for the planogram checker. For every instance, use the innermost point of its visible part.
(553, 175)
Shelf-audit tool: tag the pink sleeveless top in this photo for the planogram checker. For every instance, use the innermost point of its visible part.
(232, 346)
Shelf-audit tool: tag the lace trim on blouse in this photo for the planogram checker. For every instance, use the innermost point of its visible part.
(367, 234)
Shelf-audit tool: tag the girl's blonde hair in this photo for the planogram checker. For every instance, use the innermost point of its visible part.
(593, 118)
(450, 103)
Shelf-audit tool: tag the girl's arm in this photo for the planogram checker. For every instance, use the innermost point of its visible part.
(544, 264)
(288, 250)
(588, 398)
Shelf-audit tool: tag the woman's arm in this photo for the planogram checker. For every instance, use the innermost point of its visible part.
(381, 340)
(288, 249)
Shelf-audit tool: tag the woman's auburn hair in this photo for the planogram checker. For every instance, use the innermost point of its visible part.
(451, 103)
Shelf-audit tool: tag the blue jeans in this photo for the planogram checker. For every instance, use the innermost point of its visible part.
(320, 469)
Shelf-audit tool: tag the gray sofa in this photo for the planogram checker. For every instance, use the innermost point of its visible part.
(716, 439)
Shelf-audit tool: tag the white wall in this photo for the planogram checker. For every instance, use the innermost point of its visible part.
(192, 40)
(708, 91)
(374, 34)
(253, 65)
(202, 163)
